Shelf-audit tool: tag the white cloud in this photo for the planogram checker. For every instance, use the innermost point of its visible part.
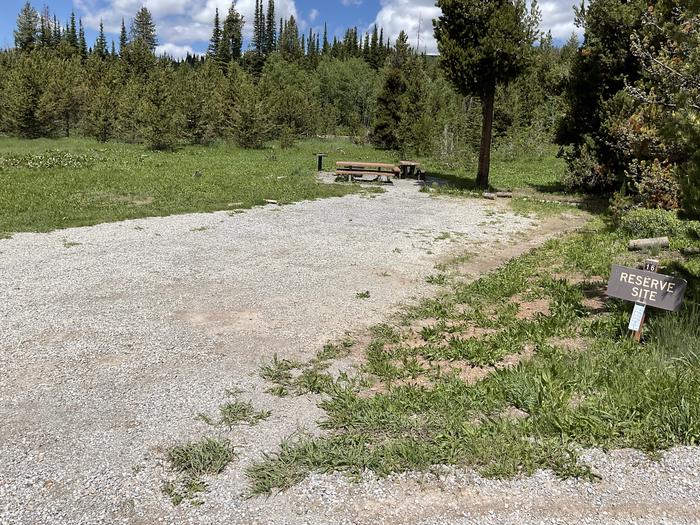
(409, 15)
(313, 15)
(395, 15)
(558, 16)
(178, 22)
(174, 50)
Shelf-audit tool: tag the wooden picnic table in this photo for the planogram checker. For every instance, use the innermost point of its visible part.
(411, 169)
(373, 169)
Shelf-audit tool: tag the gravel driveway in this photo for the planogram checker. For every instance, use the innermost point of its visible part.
(114, 337)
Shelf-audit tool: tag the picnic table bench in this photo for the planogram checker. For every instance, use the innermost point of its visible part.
(411, 169)
(377, 170)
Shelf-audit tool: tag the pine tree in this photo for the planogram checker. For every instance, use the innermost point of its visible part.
(27, 28)
(233, 32)
(100, 119)
(144, 29)
(289, 44)
(392, 103)
(270, 28)
(326, 45)
(45, 31)
(203, 101)
(215, 41)
(258, 28)
(72, 33)
(158, 115)
(22, 91)
(100, 48)
(123, 39)
(62, 98)
(374, 59)
(484, 45)
(56, 35)
(82, 44)
(251, 121)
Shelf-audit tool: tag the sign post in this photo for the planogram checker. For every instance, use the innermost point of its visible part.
(646, 288)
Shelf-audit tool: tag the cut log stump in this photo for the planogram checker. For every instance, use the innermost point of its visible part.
(646, 244)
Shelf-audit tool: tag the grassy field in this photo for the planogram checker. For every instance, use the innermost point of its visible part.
(53, 184)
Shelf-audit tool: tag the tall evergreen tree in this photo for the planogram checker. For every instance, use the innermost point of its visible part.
(374, 53)
(232, 33)
(123, 39)
(326, 45)
(56, 35)
(391, 103)
(215, 40)
(270, 28)
(27, 27)
(100, 48)
(158, 117)
(45, 29)
(289, 44)
(258, 28)
(62, 98)
(484, 45)
(82, 43)
(144, 29)
(599, 72)
(72, 33)
(21, 94)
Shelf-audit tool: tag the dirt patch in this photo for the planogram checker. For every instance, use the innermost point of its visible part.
(528, 310)
(512, 412)
(571, 344)
(219, 322)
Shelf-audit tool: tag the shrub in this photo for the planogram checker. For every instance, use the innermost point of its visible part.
(585, 172)
(656, 184)
(652, 223)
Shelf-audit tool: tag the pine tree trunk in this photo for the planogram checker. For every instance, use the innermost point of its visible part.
(482, 176)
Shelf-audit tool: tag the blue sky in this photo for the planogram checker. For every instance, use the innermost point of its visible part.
(185, 25)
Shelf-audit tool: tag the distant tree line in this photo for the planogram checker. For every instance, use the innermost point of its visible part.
(285, 86)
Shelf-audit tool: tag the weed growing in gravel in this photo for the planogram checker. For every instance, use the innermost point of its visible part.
(234, 412)
(483, 376)
(363, 295)
(192, 461)
(439, 279)
(279, 370)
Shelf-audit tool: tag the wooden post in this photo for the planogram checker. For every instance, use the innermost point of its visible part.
(650, 265)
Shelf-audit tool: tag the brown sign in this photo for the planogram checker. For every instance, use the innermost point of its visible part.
(644, 287)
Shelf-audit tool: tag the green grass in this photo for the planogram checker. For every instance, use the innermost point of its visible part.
(190, 462)
(51, 184)
(234, 412)
(580, 381)
(537, 173)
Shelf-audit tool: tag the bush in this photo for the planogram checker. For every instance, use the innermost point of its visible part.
(656, 184)
(585, 172)
(652, 223)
